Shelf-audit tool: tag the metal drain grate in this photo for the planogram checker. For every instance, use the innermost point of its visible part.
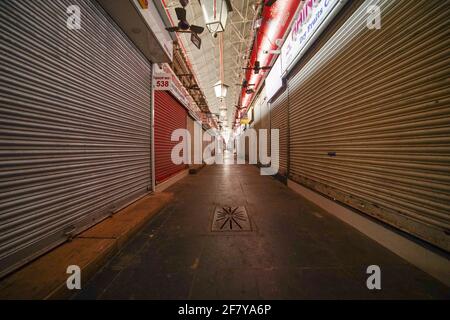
(231, 219)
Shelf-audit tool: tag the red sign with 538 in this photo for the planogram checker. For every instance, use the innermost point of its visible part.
(162, 81)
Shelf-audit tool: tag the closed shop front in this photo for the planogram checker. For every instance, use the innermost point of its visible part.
(169, 116)
(209, 140)
(264, 107)
(261, 120)
(370, 112)
(206, 135)
(251, 115)
(191, 129)
(256, 125)
(257, 113)
(278, 111)
(196, 131)
(264, 124)
(74, 125)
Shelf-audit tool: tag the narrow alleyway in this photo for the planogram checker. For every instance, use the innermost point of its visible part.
(294, 250)
(110, 112)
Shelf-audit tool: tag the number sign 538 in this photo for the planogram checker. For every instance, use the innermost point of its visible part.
(162, 82)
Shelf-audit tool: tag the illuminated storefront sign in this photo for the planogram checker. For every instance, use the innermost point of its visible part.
(274, 81)
(314, 16)
(245, 121)
(312, 19)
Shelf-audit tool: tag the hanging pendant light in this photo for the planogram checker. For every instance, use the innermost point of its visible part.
(215, 13)
(220, 90)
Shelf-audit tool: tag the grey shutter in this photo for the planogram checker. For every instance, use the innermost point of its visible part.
(74, 125)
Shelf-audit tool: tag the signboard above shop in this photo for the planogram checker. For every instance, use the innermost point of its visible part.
(309, 24)
(245, 121)
(162, 81)
(195, 39)
(312, 19)
(165, 79)
(274, 81)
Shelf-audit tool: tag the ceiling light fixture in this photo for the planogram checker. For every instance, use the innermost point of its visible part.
(215, 13)
(220, 90)
(257, 23)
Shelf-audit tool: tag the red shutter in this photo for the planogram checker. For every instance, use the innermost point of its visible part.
(169, 115)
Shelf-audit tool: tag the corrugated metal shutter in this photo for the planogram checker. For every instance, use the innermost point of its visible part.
(208, 135)
(257, 113)
(256, 125)
(169, 116)
(261, 121)
(370, 115)
(204, 143)
(191, 129)
(74, 125)
(279, 120)
(265, 122)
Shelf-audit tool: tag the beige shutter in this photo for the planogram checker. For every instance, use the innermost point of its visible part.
(265, 122)
(370, 117)
(261, 120)
(279, 120)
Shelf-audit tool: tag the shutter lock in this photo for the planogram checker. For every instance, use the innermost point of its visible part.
(69, 232)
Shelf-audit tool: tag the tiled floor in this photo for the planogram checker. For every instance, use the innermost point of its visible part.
(295, 250)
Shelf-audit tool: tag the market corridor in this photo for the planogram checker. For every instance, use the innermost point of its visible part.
(295, 250)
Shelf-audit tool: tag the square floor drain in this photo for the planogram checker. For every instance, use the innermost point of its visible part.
(231, 219)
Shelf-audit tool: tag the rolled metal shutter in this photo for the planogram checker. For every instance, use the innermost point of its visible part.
(261, 119)
(370, 115)
(279, 120)
(265, 121)
(204, 143)
(191, 129)
(257, 113)
(74, 125)
(256, 125)
(169, 116)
